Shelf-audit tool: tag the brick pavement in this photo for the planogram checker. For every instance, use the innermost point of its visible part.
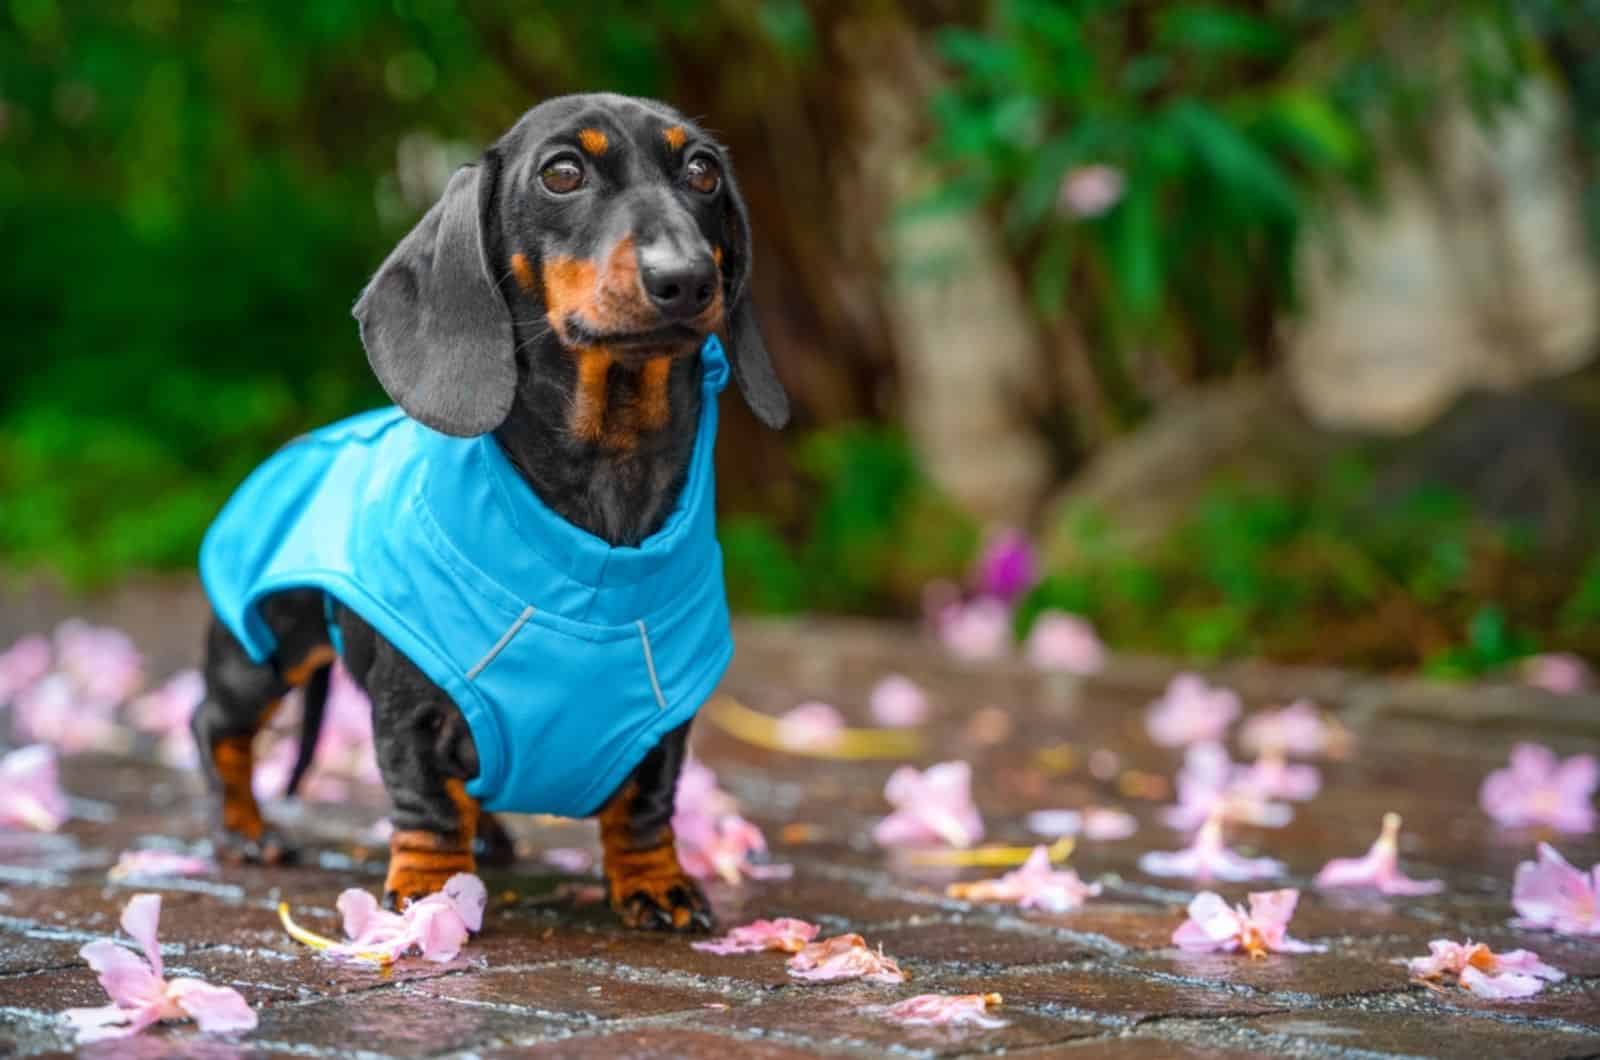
(549, 977)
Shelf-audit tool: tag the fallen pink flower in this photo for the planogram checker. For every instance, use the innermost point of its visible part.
(1561, 673)
(1036, 885)
(568, 859)
(932, 806)
(1007, 567)
(105, 667)
(1378, 868)
(1191, 711)
(1550, 893)
(140, 996)
(1210, 782)
(23, 664)
(1272, 776)
(811, 726)
(435, 927)
(714, 842)
(784, 934)
(1538, 788)
(1519, 973)
(157, 863)
(946, 1010)
(1298, 729)
(52, 711)
(1089, 191)
(1059, 641)
(169, 706)
(975, 630)
(1213, 925)
(898, 702)
(30, 790)
(844, 957)
(1095, 823)
(1209, 859)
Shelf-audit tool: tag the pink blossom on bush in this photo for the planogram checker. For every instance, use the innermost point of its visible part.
(1090, 190)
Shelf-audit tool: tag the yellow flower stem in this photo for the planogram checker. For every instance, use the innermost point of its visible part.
(991, 856)
(318, 942)
(754, 727)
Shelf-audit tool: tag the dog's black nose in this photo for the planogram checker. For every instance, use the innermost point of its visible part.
(680, 287)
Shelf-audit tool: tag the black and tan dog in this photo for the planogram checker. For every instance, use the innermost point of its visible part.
(620, 242)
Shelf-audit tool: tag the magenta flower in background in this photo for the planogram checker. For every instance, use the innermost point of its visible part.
(1550, 893)
(1208, 858)
(932, 806)
(1059, 641)
(140, 996)
(714, 842)
(434, 927)
(1298, 729)
(1538, 788)
(1035, 885)
(1562, 673)
(157, 863)
(1089, 191)
(1215, 926)
(975, 630)
(811, 726)
(1007, 567)
(1191, 711)
(785, 934)
(844, 957)
(945, 1010)
(1379, 868)
(1519, 973)
(21, 665)
(898, 702)
(1095, 823)
(30, 790)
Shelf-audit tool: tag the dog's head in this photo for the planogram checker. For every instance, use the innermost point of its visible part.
(613, 221)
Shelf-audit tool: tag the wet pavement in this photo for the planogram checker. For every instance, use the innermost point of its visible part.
(554, 975)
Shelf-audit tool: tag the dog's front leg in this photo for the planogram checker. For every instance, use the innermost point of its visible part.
(647, 886)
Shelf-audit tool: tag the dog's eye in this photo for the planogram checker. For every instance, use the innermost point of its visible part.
(562, 177)
(702, 174)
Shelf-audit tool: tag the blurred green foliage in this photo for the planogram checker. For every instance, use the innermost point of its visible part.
(1320, 573)
(1227, 126)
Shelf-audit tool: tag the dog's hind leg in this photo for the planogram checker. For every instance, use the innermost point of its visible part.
(241, 696)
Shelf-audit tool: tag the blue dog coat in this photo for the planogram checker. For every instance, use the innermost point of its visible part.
(570, 658)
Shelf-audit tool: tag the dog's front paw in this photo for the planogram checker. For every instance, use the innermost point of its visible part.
(668, 902)
(420, 863)
(268, 848)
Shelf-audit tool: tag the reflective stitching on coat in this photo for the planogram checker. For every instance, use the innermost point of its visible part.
(499, 645)
(650, 664)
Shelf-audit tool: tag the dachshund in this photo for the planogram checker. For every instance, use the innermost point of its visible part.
(552, 327)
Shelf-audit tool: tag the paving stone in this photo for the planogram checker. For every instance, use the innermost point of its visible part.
(975, 943)
(1323, 975)
(846, 1014)
(1141, 1047)
(399, 1022)
(577, 992)
(1427, 1033)
(1126, 999)
(23, 950)
(662, 1043)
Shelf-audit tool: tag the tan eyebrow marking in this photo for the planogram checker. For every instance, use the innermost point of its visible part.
(675, 136)
(522, 271)
(593, 141)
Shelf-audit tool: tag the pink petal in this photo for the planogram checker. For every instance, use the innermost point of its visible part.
(169, 706)
(898, 702)
(568, 859)
(932, 806)
(215, 1009)
(30, 790)
(22, 664)
(127, 978)
(844, 957)
(360, 912)
(976, 631)
(1561, 673)
(945, 1010)
(1059, 641)
(468, 897)
(810, 727)
(1526, 962)
(1191, 711)
(160, 863)
(434, 929)
(1499, 987)
(1273, 908)
(1298, 729)
(1208, 859)
(784, 934)
(1102, 825)
(1089, 191)
(140, 918)
(1551, 893)
(1212, 924)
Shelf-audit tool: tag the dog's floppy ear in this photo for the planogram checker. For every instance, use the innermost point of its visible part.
(437, 332)
(752, 366)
